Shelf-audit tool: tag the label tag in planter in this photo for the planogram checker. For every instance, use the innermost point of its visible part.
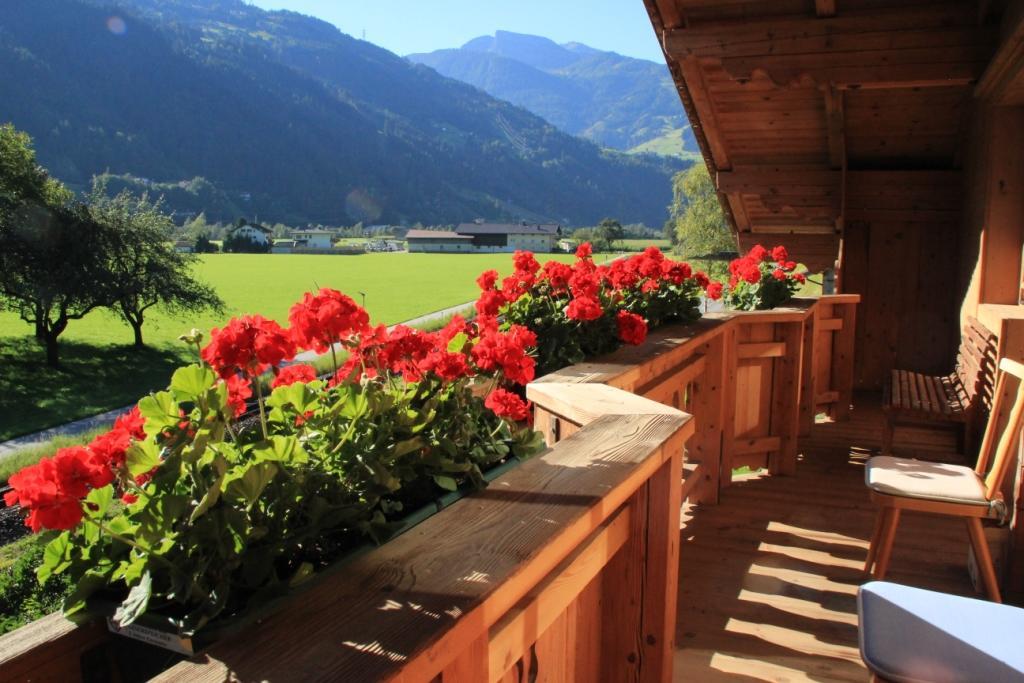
(167, 641)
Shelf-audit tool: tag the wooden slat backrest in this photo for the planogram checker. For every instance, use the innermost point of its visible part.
(998, 447)
(976, 364)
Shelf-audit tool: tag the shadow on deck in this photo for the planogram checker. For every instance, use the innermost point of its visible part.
(768, 578)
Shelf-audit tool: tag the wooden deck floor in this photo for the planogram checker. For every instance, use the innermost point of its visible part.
(768, 578)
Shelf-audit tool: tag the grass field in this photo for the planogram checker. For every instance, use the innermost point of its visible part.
(102, 371)
(640, 245)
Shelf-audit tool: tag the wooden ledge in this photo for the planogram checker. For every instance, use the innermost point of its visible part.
(581, 404)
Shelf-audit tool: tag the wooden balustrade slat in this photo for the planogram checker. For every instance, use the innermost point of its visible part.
(526, 622)
(761, 350)
(830, 325)
(760, 444)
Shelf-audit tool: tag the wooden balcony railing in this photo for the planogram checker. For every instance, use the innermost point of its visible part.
(564, 568)
(754, 382)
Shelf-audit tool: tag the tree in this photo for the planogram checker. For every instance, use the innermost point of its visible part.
(610, 230)
(147, 270)
(53, 256)
(598, 242)
(700, 225)
(204, 245)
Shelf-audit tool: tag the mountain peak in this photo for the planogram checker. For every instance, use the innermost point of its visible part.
(536, 51)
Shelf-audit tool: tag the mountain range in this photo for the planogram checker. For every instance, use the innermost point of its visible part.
(286, 118)
(620, 102)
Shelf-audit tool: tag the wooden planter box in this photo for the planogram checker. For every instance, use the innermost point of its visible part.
(566, 567)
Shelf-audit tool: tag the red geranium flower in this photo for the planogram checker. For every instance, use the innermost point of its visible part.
(325, 318)
(508, 405)
(585, 308)
(779, 274)
(584, 251)
(758, 253)
(249, 344)
(490, 303)
(714, 291)
(487, 279)
(132, 422)
(780, 254)
(239, 390)
(558, 275)
(506, 352)
(632, 328)
(292, 374)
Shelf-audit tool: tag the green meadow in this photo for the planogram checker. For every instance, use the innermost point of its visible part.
(103, 371)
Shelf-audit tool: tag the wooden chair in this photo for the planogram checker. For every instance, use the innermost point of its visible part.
(899, 484)
(957, 400)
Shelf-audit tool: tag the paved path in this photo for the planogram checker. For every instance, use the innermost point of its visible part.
(8, 448)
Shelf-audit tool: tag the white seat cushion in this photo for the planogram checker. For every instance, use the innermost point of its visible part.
(928, 480)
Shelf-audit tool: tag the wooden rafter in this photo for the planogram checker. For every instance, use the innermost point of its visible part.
(1003, 80)
(916, 47)
(825, 8)
(836, 126)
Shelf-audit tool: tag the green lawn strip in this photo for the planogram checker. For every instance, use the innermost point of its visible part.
(33, 454)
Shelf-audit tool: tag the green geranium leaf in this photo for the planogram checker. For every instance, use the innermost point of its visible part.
(56, 557)
(98, 501)
(458, 342)
(249, 483)
(281, 449)
(142, 457)
(135, 604)
(189, 383)
(302, 397)
(160, 411)
(447, 483)
(209, 499)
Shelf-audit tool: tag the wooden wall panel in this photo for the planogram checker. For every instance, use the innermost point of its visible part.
(902, 257)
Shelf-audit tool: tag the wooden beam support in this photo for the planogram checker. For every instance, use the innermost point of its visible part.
(836, 125)
(825, 8)
(705, 111)
(1003, 80)
(917, 27)
(761, 350)
(915, 47)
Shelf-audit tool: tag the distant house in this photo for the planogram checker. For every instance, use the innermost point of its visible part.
(567, 245)
(484, 237)
(283, 247)
(438, 240)
(254, 232)
(184, 246)
(313, 239)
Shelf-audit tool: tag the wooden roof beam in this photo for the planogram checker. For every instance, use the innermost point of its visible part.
(825, 8)
(835, 123)
(915, 47)
(1003, 80)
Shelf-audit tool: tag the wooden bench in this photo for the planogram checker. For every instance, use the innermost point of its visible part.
(958, 400)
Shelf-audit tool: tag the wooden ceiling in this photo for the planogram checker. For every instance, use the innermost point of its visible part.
(803, 106)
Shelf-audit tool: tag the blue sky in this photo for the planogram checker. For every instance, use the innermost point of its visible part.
(405, 26)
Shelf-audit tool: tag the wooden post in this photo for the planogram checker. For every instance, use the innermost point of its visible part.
(808, 386)
(728, 406)
(705, 446)
(661, 572)
(842, 359)
(785, 417)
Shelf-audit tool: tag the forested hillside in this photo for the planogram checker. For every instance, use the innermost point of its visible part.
(286, 118)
